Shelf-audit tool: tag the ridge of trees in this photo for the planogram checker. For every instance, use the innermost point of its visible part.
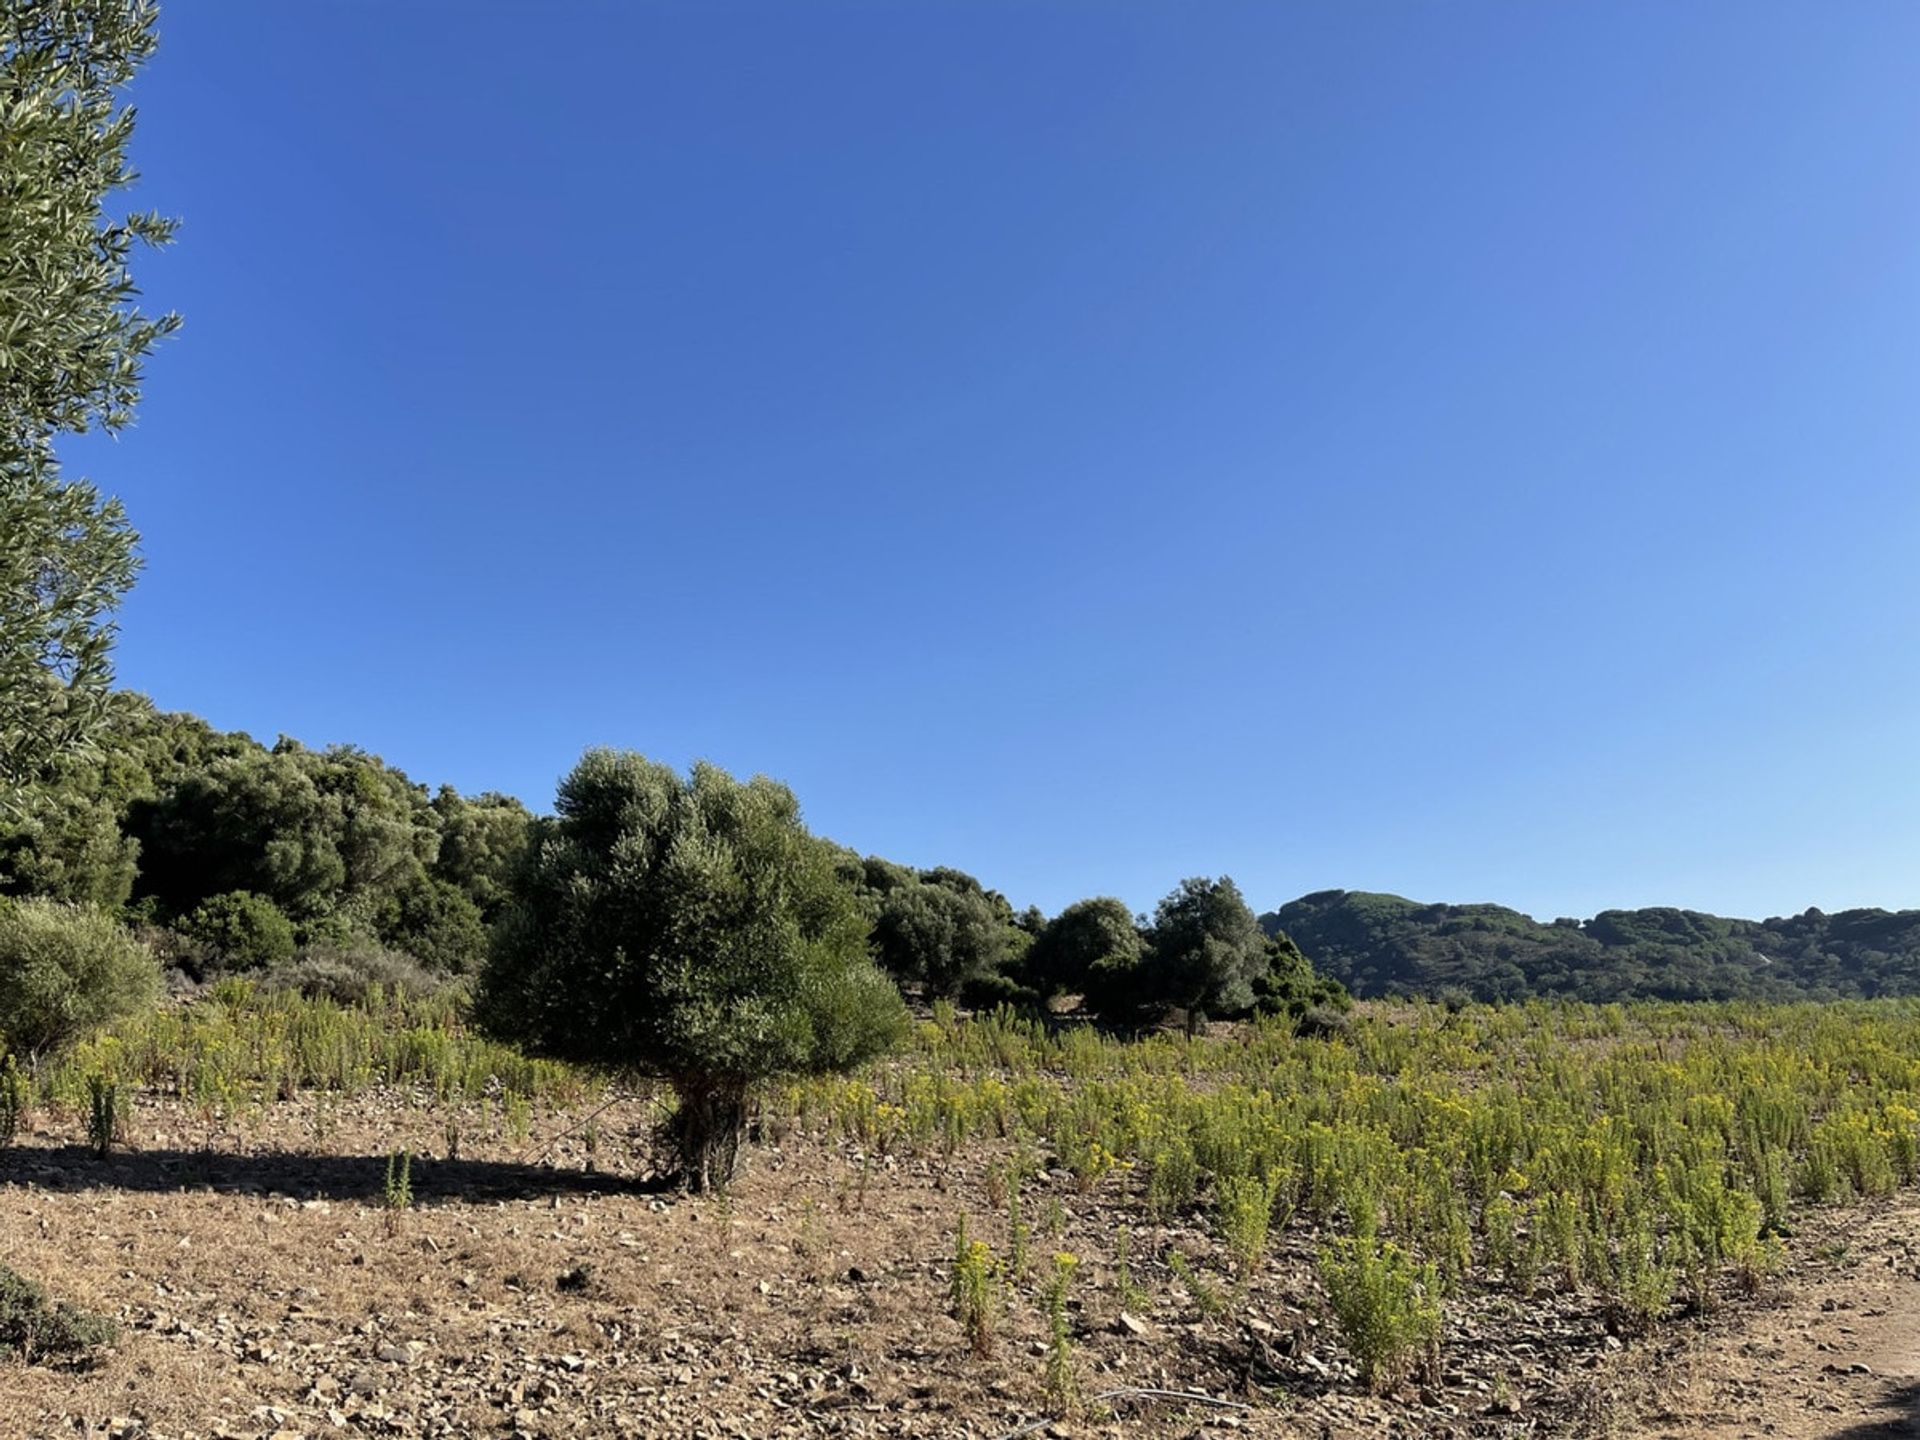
(236, 856)
(1379, 944)
(242, 852)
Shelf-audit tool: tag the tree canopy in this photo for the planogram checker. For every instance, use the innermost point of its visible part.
(1091, 948)
(72, 343)
(169, 814)
(1205, 951)
(688, 928)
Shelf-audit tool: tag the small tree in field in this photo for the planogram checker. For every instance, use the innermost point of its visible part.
(690, 929)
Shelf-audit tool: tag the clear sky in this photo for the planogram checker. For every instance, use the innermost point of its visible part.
(1460, 449)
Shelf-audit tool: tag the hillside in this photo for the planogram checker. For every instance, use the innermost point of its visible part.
(1387, 945)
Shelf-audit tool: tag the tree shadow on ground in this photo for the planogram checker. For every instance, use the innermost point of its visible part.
(1897, 1414)
(71, 1169)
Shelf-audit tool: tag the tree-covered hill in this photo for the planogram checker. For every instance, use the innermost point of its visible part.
(1387, 945)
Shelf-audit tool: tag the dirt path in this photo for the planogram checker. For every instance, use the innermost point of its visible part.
(1835, 1356)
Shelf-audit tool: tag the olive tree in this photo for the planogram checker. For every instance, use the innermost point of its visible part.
(690, 929)
(71, 346)
(1205, 951)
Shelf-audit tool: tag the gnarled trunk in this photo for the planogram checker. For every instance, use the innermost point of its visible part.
(707, 1131)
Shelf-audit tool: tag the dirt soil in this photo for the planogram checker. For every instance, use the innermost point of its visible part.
(1832, 1354)
(265, 1290)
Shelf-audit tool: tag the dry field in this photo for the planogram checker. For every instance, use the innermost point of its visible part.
(540, 1283)
(265, 1288)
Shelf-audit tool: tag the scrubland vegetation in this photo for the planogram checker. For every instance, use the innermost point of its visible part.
(1650, 1157)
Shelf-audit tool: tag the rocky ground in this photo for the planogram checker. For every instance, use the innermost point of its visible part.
(1831, 1353)
(266, 1289)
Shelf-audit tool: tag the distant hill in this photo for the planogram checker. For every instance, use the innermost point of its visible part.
(1387, 945)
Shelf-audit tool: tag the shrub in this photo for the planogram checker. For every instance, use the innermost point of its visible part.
(1323, 1022)
(184, 962)
(13, 1101)
(1089, 933)
(245, 931)
(973, 1290)
(1116, 990)
(1498, 1218)
(1243, 1214)
(1018, 1231)
(105, 1108)
(36, 1328)
(986, 992)
(66, 970)
(1642, 1286)
(1173, 1177)
(1387, 1305)
(397, 1191)
(1206, 1299)
(349, 974)
(1290, 987)
(437, 923)
(1062, 1392)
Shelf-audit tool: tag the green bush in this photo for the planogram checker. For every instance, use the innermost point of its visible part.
(1323, 1022)
(66, 970)
(1388, 1307)
(1243, 1214)
(1642, 1287)
(106, 1107)
(1088, 933)
(13, 1100)
(973, 1290)
(35, 1328)
(245, 931)
(984, 992)
(1317, 1003)
(349, 974)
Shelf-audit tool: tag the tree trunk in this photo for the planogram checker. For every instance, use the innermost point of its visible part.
(707, 1131)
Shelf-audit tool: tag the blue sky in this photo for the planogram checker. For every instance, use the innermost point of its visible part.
(1466, 450)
